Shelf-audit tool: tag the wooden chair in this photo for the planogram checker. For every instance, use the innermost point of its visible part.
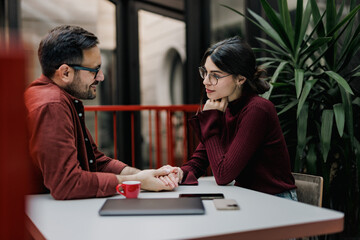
(309, 188)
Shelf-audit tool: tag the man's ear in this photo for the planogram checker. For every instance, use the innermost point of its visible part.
(65, 73)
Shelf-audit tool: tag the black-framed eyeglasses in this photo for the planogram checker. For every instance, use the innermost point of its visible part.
(78, 67)
(213, 77)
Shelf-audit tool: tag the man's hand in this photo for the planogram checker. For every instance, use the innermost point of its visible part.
(216, 104)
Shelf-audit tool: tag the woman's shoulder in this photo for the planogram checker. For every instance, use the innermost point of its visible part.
(258, 105)
(256, 100)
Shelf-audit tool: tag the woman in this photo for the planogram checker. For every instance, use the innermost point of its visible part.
(239, 131)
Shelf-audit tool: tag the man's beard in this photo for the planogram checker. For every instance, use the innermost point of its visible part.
(75, 89)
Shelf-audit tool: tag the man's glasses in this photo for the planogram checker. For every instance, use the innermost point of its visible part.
(77, 67)
(213, 77)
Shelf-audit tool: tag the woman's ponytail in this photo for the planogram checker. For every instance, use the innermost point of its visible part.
(258, 84)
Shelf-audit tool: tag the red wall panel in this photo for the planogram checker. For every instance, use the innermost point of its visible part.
(14, 161)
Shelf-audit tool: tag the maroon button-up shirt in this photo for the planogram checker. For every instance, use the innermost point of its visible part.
(62, 147)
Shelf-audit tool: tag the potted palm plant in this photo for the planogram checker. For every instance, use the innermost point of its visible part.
(309, 58)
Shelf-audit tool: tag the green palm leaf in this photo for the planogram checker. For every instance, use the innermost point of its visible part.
(348, 113)
(273, 79)
(286, 20)
(307, 88)
(330, 14)
(315, 45)
(326, 130)
(301, 134)
(339, 117)
(299, 78)
(301, 23)
(276, 24)
(261, 23)
(346, 20)
(356, 74)
(320, 30)
(341, 81)
(268, 29)
(273, 46)
(311, 159)
(288, 107)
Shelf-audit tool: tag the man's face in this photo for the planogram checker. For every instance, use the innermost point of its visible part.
(83, 85)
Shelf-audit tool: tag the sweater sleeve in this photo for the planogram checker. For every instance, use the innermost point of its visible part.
(228, 161)
(53, 146)
(196, 166)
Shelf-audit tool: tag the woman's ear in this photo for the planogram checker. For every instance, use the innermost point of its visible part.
(240, 80)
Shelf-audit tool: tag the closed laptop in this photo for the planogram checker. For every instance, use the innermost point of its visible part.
(152, 206)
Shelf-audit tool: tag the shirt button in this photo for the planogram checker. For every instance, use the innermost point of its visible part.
(76, 101)
(86, 139)
(91, 161)
(80, 114)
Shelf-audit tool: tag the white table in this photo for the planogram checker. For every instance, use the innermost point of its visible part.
(261, 216)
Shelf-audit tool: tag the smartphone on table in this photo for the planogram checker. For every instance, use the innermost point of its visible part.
(203, 196)
(226, 204)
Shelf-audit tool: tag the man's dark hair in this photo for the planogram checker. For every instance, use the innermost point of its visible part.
(64, 44)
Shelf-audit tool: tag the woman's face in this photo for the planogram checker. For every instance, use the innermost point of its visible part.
(225, 87)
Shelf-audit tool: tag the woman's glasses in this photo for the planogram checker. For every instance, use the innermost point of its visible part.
(213, 77)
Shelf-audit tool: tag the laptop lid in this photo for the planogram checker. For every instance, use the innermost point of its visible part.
(152, 206)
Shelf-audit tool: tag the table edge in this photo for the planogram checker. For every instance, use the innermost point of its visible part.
(286, 232)
(32, 229)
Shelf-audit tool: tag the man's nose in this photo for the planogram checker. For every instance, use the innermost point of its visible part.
(100, 76)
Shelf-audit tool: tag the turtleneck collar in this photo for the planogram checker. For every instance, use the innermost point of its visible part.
(236, 105)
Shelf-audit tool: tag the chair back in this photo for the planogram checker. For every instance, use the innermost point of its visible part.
(309, 188)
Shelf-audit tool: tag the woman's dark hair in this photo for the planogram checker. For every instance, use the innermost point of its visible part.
(235, 56)
(64, 44)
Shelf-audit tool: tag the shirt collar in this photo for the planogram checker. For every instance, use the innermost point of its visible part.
(49, 81)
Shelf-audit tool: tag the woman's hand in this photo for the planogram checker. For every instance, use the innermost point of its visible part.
(175, 175)
(220, 104)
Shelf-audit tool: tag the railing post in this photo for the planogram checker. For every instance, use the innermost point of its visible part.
(115, 136)
(150, 140)
(185, 146)
(170, 144)
(132, 140)
(158, 139)
(96, 128)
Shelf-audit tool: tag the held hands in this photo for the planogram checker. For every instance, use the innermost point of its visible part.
(150, 180)
(175, 175)
(216, 104)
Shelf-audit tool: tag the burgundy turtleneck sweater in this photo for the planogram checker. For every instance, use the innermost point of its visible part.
(245, 143)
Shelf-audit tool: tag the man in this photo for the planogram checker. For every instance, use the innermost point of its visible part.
(60, 144)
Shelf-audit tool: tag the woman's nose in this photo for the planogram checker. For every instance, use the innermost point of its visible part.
(206, 80)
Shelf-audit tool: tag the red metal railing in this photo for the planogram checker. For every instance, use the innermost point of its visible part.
(170, 110)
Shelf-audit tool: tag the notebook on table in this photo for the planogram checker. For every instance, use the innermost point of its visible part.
(152, 206)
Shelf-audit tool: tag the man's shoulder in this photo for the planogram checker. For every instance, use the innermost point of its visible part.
(43, 92)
